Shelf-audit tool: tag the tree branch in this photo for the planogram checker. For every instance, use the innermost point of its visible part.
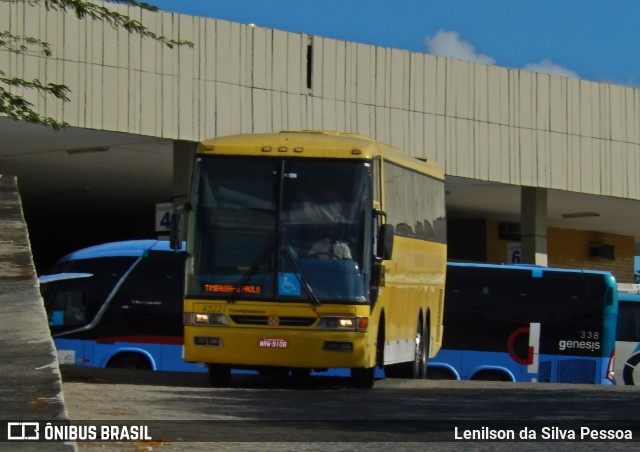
(84, 9)
(21, 44)
(15, 106)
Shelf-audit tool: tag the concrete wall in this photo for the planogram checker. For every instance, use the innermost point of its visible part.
(30, 384)
(481, 122)
(569, 248)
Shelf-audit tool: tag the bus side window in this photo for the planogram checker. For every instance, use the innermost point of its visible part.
(149, 301)
(629, 322)
(68, 309)
(155, 285)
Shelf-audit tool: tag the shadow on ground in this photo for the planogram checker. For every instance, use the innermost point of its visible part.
(77, 374)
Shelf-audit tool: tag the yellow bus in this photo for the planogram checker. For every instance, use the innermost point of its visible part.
(311, 251)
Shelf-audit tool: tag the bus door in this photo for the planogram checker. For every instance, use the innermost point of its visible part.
(627, 362)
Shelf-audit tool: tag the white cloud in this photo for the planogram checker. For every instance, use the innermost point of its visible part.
(549, 67)
(450, 44)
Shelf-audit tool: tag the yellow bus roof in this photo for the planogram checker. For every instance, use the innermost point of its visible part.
(311, 143)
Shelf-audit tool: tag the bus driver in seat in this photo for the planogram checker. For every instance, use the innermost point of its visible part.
(330, 247)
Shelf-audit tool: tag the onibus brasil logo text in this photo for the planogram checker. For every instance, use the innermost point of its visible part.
(48, 431)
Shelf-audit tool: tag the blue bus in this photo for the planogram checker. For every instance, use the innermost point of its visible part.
(527, 323)
(627, 368)
(119, 305)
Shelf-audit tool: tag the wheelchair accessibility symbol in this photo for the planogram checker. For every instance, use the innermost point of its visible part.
(288, 284)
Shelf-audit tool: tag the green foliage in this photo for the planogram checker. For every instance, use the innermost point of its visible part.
(83, 9)
(14, 105)
(17, 108)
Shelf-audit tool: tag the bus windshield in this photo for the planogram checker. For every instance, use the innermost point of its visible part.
(73, 303)
(286, 229)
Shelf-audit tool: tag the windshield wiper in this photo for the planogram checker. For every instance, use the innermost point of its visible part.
(305, 285)
(249, 273)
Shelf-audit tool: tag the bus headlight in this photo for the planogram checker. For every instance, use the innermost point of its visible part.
(202, 318)
(343, 323)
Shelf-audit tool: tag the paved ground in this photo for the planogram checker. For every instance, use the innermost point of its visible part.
(300, 411)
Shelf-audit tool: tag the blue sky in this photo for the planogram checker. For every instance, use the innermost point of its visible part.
(596, 40)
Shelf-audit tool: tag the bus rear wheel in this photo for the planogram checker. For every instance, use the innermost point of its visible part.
(219, 375)
(418, 367)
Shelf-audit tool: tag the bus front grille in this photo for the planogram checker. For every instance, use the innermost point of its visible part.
(264, 320)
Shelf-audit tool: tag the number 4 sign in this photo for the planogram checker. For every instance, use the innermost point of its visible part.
(163, 216)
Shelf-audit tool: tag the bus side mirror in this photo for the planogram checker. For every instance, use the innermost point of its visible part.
(385, 242)
(176, 232)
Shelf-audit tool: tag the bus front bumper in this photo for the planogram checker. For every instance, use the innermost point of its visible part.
(246, 347)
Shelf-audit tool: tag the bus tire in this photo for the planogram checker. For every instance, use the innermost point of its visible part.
(274, 371)
(380, 342)
(440, 373)
(363, 377)
(219, 375)
(419, 365)
(129, 361)
(300, 374)
(426, 345)
(412, 369)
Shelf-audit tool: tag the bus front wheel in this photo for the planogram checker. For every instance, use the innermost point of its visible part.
(300, 373)
(363, 378)
(424, 353)
(219, 375)
(491, 375)
(440, 373)
(129, 361)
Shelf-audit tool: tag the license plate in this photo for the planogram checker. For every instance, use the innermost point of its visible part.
(273, 342)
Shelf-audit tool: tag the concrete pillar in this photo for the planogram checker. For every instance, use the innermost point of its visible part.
(533, 229)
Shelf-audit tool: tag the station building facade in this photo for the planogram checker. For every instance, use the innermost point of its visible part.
(542, 134)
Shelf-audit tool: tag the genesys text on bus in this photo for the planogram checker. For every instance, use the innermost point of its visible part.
(578, 345)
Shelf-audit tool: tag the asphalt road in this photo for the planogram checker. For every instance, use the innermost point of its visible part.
(325, 413)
